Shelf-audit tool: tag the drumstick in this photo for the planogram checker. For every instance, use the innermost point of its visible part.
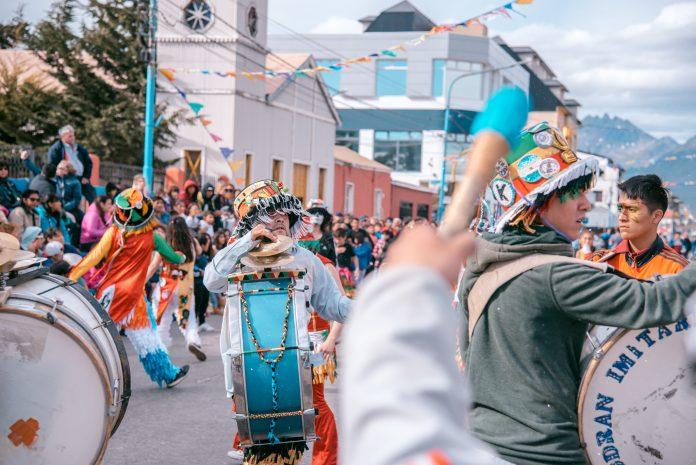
(497, 129)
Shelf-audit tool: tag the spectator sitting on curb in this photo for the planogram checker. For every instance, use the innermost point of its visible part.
(32, 240)
(44, 182)
(9, 195)
(25, 215)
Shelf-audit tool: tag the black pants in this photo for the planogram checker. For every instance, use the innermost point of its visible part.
(202, 298)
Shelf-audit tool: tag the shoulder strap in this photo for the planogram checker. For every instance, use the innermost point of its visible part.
(501, 273)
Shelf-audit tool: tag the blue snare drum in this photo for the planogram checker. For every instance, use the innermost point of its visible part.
(271, 373)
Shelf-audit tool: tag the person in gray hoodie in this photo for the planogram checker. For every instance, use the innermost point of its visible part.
(522, 354)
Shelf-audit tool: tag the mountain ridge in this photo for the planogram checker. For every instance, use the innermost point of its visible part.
(640, 153)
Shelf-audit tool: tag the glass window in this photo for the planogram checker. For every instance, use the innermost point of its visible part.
(332, 79)
(438, 77)
(423, 211)
(348, 200)
(399, 150)
(391, 77)
(405, 209)
(456, 144)
(350, 139)
(445, 71)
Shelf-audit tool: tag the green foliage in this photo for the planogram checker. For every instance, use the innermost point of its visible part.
(98, 64)
(28, 110)
(13, 32)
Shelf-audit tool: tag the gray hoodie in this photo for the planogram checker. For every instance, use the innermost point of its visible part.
(523, 359)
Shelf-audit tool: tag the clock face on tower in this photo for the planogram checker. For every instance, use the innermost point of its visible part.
(198, 15)
(252, 21)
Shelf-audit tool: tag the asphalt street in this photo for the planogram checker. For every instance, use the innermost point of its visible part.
(189, 424)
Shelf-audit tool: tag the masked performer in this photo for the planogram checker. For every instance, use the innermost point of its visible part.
(265, 210)
(124, 251)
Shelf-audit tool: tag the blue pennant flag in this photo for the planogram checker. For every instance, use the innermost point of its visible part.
(226, 152)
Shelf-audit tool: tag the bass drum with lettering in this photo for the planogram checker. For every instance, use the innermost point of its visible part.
(64, 375)
(635, 405)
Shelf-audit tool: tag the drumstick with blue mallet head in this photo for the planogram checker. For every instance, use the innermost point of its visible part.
(497, 131)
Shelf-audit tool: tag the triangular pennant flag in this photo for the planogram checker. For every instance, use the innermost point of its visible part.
(221, 74)
(240, 181)
(215, 137)
(206, 122)
(373, 54)
(335, 67)
(388, 53)
(196, 107)
(523, 2)
(205, 71)
(168, 73)
(247, 75)
(503, 12)
(400, 47)
(236, 164)
(231, 74)
(226, 152)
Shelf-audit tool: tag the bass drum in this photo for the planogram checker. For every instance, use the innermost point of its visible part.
(635, 404)
(66, 379)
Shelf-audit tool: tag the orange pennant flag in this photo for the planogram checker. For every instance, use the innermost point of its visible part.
(523, 2)
(231, 74)
(240, 181)
(168, 73)
(205, 122)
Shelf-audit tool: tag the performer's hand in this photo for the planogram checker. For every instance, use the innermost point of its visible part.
(327, 348)
(260, 231)
(422, 246)
(24, 154)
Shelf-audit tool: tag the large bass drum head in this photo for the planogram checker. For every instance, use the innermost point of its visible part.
(53, 393)
(635, 402)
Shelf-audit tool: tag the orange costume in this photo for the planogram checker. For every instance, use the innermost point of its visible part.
(124, 251)
(325, 451)
(658, 259)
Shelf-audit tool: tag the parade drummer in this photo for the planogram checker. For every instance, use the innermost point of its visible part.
(642, 253)
(523, 352)
(265, 212)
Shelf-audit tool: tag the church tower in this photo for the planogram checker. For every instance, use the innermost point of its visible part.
(198, 39)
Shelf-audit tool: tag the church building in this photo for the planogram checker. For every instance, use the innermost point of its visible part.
(242, 125)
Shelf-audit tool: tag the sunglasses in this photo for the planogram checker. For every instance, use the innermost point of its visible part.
(229, 190)
(33, 199)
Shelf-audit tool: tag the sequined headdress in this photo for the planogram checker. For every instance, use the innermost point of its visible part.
(133, 210)
(258, 201)
(542, 164)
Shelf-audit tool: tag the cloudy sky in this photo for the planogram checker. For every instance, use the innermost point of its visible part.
(631, 58)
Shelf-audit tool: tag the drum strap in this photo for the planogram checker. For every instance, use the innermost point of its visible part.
(501, 273)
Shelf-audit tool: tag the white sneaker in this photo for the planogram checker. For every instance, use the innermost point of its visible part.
(236, 455)
(205, 328)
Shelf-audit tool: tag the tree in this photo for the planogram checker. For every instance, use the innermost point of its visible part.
(29, 113)
(15, 31)
(99, 64)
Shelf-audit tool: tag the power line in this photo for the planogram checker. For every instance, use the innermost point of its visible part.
(281, 59)
(379, 118)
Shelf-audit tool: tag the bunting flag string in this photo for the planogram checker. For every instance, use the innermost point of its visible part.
(502, 10)
(196, 108)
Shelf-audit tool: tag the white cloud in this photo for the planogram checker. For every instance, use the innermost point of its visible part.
(337, 25)
(644, 72)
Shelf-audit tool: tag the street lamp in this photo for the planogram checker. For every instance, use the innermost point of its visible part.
(441, 200)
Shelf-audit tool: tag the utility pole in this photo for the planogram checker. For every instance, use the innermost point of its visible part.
(446, 129)
(150, 94)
